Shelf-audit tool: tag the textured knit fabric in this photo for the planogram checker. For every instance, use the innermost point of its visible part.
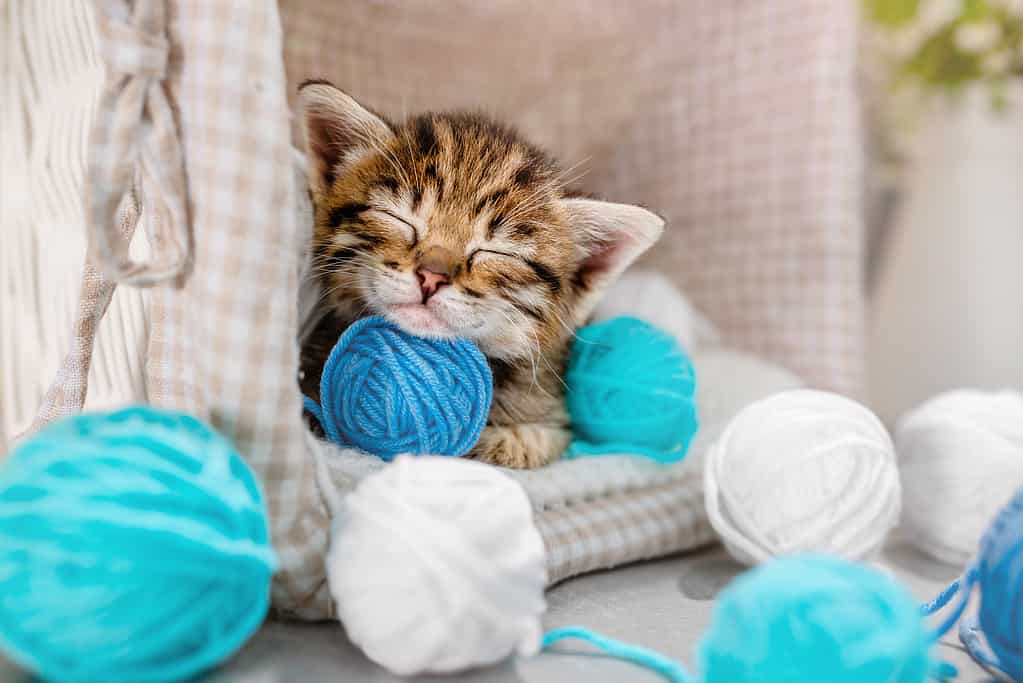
(734, 120)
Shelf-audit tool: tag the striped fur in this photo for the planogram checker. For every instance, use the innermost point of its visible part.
(527, 261)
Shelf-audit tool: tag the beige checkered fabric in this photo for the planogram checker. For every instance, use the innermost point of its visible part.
(735, 120)
(223, 345)
(134, 142)
(622, 527)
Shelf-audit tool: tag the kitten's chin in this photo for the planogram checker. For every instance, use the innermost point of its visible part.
(419, 320)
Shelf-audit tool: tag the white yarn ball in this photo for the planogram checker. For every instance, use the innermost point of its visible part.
(961, 459)
(650, 296)
(436, 566)
(802, 470)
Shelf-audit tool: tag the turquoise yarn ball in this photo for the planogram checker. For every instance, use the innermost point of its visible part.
(815, 618)
(631, 389)
(133, 548)
(387, 392)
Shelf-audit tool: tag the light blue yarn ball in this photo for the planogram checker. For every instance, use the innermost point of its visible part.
(631, 389)
(133, 548)
(815, 618)
(1000, 575)
(386, 392)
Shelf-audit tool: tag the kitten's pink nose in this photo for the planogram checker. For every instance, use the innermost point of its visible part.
(430, 282)
(435, 268)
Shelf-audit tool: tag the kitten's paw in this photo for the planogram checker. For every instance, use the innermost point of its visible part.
(521, 447)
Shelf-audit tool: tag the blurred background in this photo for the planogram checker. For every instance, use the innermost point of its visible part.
(943, 93)
(841, 180)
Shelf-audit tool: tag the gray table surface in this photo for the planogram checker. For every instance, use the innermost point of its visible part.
(664, 605)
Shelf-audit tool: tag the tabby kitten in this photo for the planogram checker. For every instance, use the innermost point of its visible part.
(451, 225)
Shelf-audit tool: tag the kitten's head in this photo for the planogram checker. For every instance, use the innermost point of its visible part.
(451, 225)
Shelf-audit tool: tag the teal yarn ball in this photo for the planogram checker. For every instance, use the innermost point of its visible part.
(631, 389)
(388, 392)
(134, 547)
(815, 618)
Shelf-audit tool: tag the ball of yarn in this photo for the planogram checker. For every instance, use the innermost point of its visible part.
(631, 389)
(815, 618)
(386, 392)
(802, 470)
(436, 566)
(133, 547)
(1000, 576)
(964, 449)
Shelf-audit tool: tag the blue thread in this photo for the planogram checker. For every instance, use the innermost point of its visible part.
(998, 574)
(387, 392)
(971, 637)
(631, 389)
(134, 546)
(669, 669)
(962, 587)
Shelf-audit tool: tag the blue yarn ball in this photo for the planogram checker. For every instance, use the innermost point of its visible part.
(1000, 575)
(386, 392)
(815, 618)
(133, 547)
(631, 389)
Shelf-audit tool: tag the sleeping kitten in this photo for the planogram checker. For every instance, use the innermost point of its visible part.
(451, 225)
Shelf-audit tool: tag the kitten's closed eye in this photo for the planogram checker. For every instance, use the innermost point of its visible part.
(405, 225)
(484, 254)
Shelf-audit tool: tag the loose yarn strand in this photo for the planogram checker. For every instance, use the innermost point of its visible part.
(963, 587)
(671, 670)
(970, 637)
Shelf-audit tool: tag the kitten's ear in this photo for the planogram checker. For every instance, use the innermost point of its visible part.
(336, 125)
(611, 236)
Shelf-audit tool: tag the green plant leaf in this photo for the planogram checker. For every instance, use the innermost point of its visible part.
(939, 62)
(891, 13)
(975, 10)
